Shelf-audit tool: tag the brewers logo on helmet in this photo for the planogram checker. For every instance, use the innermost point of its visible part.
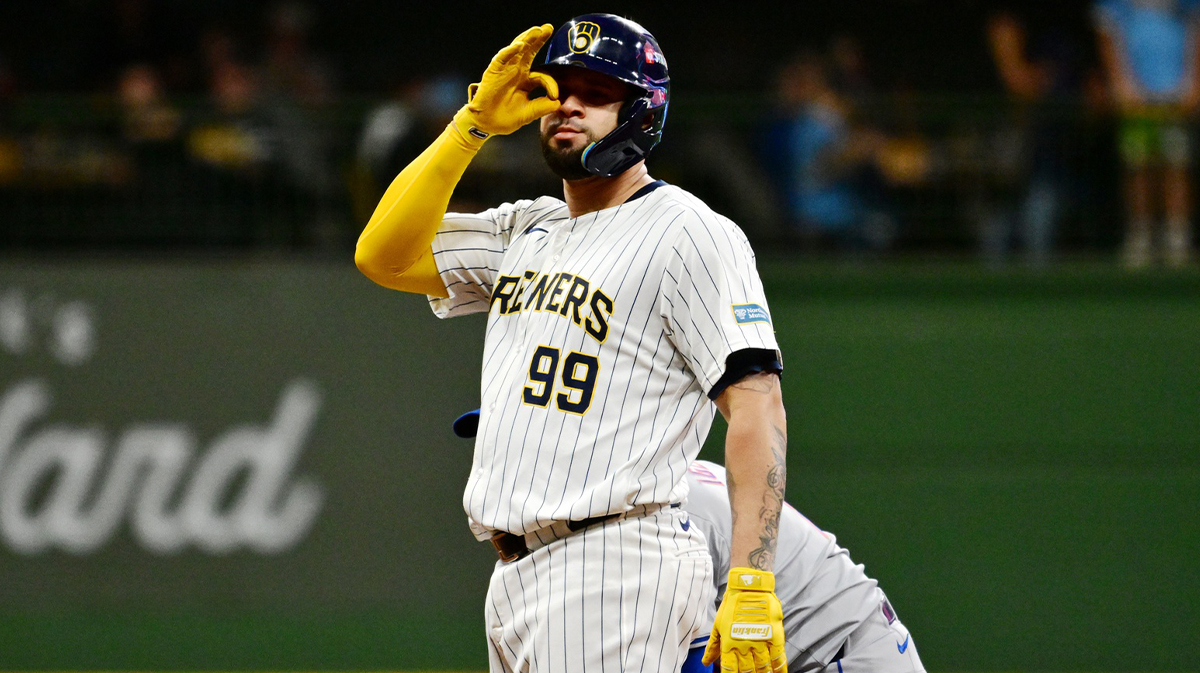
(582, 35)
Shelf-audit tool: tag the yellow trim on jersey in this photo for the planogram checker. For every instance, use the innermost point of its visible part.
(540, 290)
(574, 299)
(547, 386)
(589, 362)
(599, 329)
(555, 291)
(522, 283)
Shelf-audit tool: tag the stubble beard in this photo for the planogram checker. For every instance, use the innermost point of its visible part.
(565, 163)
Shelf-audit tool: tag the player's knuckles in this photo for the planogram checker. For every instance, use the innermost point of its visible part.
(742, 648)
(743, 661)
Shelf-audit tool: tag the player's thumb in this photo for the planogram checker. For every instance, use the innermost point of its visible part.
(712, 651)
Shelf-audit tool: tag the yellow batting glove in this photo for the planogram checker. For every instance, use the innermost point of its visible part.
(748, 634)
(499, 103)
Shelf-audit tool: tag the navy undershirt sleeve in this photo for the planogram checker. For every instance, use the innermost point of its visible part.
(743, 363)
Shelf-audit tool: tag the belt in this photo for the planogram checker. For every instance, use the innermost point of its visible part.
(509, 547)
(512, 547)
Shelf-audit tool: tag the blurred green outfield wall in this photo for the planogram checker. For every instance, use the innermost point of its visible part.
(249, 465)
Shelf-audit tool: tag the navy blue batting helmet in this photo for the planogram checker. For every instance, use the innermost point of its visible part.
(619, 48)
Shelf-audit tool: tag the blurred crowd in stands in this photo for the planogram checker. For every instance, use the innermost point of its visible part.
(1083, 143)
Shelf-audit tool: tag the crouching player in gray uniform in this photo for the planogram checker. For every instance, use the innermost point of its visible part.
(836, 619)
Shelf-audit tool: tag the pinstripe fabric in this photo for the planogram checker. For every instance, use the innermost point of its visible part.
(670, 272)
(623, 597)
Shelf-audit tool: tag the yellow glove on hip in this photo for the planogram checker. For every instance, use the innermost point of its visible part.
(748, 633)
(499, 103)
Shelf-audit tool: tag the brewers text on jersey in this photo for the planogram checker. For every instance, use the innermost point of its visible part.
(563, 293)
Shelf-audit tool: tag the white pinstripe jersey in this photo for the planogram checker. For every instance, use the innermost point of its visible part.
(605, 333)
(824, 594)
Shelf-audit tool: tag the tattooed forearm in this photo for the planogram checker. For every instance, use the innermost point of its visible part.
(763, 558)
(756, 449)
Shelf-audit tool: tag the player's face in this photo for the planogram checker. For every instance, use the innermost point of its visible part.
(591, 103)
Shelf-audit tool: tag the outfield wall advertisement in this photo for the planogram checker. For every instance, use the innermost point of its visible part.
(218, 439)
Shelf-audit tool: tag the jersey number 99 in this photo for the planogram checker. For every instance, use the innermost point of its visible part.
(578, 378)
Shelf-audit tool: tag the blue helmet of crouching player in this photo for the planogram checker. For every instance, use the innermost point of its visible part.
(623, 50)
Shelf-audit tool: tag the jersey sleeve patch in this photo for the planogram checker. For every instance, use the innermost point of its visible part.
(746, 314)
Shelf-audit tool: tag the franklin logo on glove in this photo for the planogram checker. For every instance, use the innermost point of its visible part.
(751, 631)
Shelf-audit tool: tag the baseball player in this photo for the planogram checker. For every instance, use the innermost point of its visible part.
(620, 319)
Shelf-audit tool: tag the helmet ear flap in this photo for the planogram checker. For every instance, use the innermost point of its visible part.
(624, 147)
